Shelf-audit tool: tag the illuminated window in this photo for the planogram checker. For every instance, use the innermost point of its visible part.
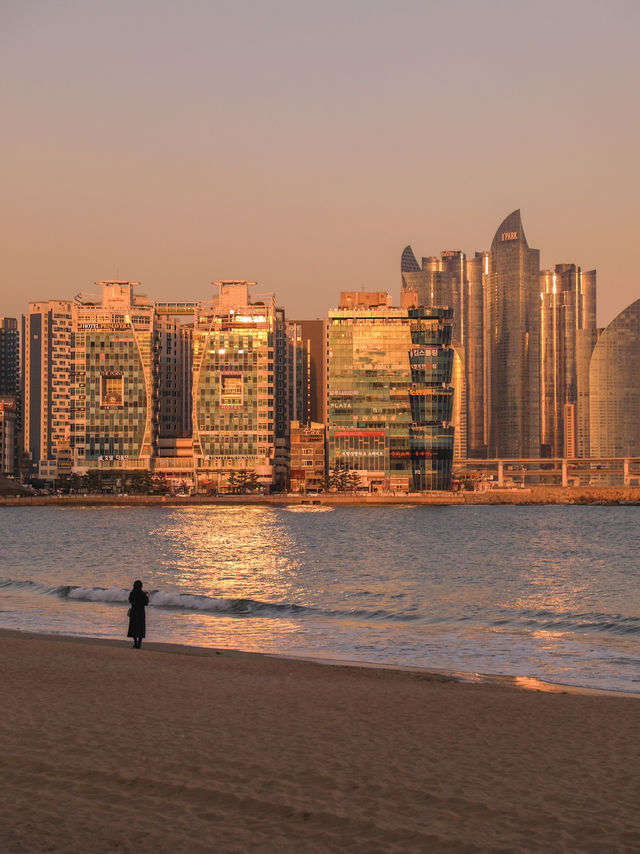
(111, 390)
(231, 389)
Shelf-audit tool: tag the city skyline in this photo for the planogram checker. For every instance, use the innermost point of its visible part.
(304, 147)
(207, 289)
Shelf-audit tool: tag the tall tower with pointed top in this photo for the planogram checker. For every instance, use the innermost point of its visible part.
(512, 343)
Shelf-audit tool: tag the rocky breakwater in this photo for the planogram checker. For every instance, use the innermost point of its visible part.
(602, 495)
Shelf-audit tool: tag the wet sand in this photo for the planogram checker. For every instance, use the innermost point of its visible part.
(178, 749)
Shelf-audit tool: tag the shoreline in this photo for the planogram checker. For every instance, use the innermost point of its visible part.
(600, 496)
(517, 683)
(184, 751)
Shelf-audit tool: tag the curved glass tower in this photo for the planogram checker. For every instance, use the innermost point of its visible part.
(614, 388)
(409, 263)
(413, 277)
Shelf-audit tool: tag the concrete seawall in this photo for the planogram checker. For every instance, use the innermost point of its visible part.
(536, 495)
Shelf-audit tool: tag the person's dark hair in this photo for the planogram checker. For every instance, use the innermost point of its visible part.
(137, 585)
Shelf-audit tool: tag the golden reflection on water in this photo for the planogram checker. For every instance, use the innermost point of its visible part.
(228, 552)
(562, 600)
(547, 634)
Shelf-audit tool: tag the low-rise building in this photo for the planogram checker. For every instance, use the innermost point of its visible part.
(307, 457)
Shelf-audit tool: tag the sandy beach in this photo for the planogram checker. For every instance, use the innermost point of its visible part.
(177, 749)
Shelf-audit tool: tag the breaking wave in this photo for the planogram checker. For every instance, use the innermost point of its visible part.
(526, 621)
(198, 602)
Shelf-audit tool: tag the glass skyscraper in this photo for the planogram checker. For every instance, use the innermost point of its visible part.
(390, 398)
(567, 308)
(522, 339)
(614, 387)
(443, 281)
(512, 343)
(473, 366)
(431, 397)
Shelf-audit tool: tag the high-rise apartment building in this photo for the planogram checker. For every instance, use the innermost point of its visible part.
(512, 343)
(459, 417)
(390, 398)
(586, 340)
(523, 340)
(281, 356)
(567, 307)
(234, 385)
(186, 380)
(172, 387)
(113, 382)
(474, 354)
(9, 357)
(483, 291)
(46, 377)
(298, 370)
(314, 334)
(431, 397)
(307, 370)
(104, 380)
(174, 369)
(452, 281)
(10, 394)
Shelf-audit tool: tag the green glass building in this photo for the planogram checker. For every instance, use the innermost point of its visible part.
(389, 396)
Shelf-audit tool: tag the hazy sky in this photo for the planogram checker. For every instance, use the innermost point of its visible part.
(303, 145)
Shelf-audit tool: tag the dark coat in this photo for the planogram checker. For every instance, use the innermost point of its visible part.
(139, 599)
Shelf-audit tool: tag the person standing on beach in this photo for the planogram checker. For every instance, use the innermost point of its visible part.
(138, 599)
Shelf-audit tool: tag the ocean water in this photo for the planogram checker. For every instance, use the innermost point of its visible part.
(548, 592)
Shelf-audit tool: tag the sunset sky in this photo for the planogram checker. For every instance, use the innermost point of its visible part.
(303, 145)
